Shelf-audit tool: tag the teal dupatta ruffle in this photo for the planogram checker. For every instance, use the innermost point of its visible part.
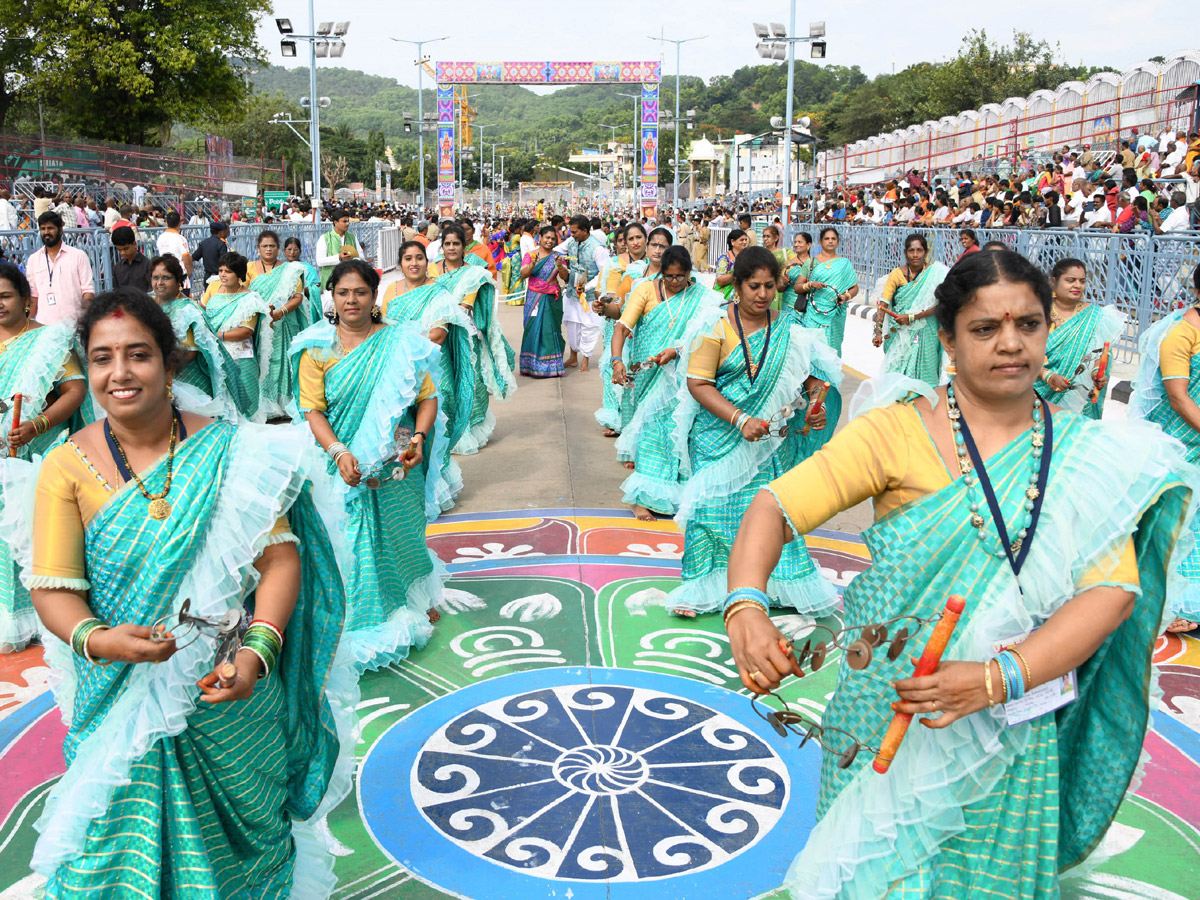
(276, 288)
(936, 823)
(227, 311)
(275, 763)
(724, 472)
(211, 372)
(615, 402)
(1073, 351)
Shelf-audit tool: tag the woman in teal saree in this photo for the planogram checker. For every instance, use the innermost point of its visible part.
(282, 290)
(185, 779)
(1078, 334)
(366, 389)
(625, 258)
(292, 248)
(1075, 581)
(657, 316)
(205, 364)
(240, 319)
(434, 309)
(1167, 393)
(468, 279)
(37, 364)
(731, 437)
(910, 334)
(542, 340)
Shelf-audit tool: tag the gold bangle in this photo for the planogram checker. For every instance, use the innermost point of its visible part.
(733, 416)
(741, 605)
(1028, 674)
(1004, 678)
(987, 683)
(742, 602)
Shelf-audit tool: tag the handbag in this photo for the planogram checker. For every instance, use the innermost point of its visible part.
(801, 304)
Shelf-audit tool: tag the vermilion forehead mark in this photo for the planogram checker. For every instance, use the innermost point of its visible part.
(118, 313)
(1007, 316)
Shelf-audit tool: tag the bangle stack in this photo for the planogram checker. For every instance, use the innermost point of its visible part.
(265, 641)
(744, 598)
(336, 449)
(740, 419)
(79, 638)
(41, 424)
(1010, 671)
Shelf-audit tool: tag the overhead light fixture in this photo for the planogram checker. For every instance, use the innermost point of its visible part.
(321, 48)
(818, 50)
(337, 48)
(287, 48)
(325, 28)
(284, 26)
(816, 29)
(304, 103)
(763, 48)
(324, 102)
(779, 51)
(760, 30)
(777, 29)
(341, 28)
(804, 122)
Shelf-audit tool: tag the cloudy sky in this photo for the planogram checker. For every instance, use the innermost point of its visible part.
(874, 34)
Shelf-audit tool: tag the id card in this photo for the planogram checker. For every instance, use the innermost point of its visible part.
(50, 299)
(1045, 698)
(240, 349)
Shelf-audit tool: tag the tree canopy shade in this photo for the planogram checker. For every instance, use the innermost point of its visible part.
(126, 71)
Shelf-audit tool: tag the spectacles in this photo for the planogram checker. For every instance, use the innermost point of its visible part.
(777, 425)
(185, 629)
(674, 278)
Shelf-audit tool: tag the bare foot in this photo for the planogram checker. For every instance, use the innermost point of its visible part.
(608, 432)
(628, 465)
(683, 612)
(1181, 625)
(640, 512)
(572, 361)
(584, 367)
(434, 615)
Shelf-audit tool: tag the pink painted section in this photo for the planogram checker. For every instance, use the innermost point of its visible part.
(593, 575)
(1170, 780)
(32, 759)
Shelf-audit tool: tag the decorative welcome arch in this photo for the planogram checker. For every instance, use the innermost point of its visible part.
(452, 74)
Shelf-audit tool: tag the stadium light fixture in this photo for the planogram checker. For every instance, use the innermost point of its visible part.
(325, 28)
(287, 48)
(760, 30)
(284, 26)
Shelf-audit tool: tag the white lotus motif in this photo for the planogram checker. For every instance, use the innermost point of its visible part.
(635, 604)
(494, 550)
(532, 608)
(455, 601)
(658, 551)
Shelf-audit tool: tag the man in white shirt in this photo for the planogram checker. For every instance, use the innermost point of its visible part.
(1098, 218)
(111, 214)
(139, 195)
(1180, 218)
(1074, 210)
(1164, 139)
(174, 243)
(8, 212)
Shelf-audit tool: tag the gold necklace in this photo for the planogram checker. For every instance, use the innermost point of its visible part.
(4, 344)
(160, 506)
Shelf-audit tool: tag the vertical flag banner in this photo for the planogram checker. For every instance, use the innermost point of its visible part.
(378, 181)
(445, 148)
(649, 146)
(388, 183)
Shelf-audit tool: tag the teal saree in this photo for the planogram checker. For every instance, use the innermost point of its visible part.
(616, 403)
(31, 365)
(276, 288)
(168, 797)
(982, 803)
(724, 471)
(431, 306)
(251, 357)
(370, 392)
(211, 371)
(914, 350)
(1150, 402)
(824, 312)
(1073, 351)
(656, 482)
(493, 357)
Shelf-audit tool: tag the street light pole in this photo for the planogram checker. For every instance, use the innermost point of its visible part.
(678, 43)
(314, 115)
(420, 104)
(785, 199)
(480, 163)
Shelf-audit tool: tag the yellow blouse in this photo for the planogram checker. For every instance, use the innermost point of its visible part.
(1177, 349)
(713, 349)
(888, 456)
(640, 303)
(70, 491)
(435, 272)
(312, 381)
(895, 281)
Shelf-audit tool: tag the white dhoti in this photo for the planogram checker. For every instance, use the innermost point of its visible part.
(582, 325)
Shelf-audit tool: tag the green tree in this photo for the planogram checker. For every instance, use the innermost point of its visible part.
(127, 70)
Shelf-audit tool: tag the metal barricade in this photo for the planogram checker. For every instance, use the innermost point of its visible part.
(1144, 276)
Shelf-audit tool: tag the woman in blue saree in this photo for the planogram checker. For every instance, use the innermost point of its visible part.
(367, 391)
(240, 319)
(1058, 578)
(467, 278)
(292, 249)
(542, 341)
(434, 309)
(204, 363)
(1167, 393)
(36, 363)
(657, 316)
(627, 259)
(910, 336)
(186, 778)
(1078, 333)
(740, 375)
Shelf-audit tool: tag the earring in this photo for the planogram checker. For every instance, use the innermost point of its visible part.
(951, 369)
(376, 314)
(170, 393)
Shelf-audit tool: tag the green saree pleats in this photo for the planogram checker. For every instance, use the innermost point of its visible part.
(251, 358)
(211, 372)
(276, 288)
(914, 350)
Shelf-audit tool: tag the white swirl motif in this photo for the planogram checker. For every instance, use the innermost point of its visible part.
(597, 783)
(532, 608)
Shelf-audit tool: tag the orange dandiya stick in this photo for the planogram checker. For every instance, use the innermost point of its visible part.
(16, 416)
(1101, 374)
(930, 657)
(815, 407)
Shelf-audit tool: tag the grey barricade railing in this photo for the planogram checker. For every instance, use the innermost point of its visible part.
(390, 240)
(1144, 276)
(17, 246)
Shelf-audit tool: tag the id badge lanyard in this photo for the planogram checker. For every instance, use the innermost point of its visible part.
(50, 274)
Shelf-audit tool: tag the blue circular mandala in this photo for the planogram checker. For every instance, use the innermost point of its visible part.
(595, 784)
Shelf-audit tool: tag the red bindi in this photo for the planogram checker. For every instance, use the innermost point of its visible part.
(118, 313)
(1008, 317)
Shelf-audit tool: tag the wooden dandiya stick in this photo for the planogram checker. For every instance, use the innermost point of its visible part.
(928, 661)
(16, 419)
(1101, 374)
(818, 403)
(226, 675)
